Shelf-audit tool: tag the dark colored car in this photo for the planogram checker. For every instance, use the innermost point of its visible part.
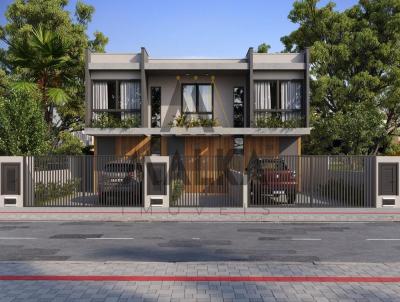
(120, 183)
(271, 178)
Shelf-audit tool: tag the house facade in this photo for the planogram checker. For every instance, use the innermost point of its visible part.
(137, 105)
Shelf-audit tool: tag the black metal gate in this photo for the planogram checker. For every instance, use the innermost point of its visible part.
(204, 181)
(81, 181)
(311, 181)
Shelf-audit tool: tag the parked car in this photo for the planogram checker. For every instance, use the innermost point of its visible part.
(272, 178)
(120, 183)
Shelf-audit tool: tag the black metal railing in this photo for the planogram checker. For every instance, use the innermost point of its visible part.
(311, 181)
(83, 181)
(279, 118)
(203, 181)
(116, 118)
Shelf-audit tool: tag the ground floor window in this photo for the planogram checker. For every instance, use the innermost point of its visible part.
(238, 145)
(155, 145)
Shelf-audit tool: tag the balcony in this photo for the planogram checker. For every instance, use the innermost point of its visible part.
(279, 118)
(116, 118)
(116, 104)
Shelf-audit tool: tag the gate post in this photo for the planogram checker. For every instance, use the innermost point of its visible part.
(245, 191)
(156, 181)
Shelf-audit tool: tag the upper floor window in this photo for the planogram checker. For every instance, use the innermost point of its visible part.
(155, 107)
(280, 100)
(197, 100)
(116, 96)
(286, 95)
(238, 107)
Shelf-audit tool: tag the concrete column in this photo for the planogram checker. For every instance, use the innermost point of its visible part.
(249, 109)
(147, 197)
(145, 111)
(307, 87)
(88, 91)
(245, 191)
(13, 199)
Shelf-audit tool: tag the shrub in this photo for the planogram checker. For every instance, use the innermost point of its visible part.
(107, 120)
(177, 188)
(182, 120)
(45, 192)
(277, 122)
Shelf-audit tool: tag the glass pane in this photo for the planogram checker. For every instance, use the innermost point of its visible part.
(238, 145)
(155, 145)
(205, 98)
(238, 107)
(112, 94)
(156, 107)
(189, 98)
(196, 116)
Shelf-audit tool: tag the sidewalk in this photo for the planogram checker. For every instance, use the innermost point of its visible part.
(200, 281)
(202, 214)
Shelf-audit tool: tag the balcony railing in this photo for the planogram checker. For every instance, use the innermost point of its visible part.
(279, 118)
(116, 118)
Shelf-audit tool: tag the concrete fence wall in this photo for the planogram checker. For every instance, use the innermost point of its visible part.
(344, 174)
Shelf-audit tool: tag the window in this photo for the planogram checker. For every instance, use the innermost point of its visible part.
(238, 145)
(291, 94)
(155, 145)
(238, 107)
(10, 178)
(155, 107)
(197, 100)
(278, 99)
(121, 98)
(266, 95)
(288, 97)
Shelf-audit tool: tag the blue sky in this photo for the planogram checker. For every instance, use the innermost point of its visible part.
(190, 28)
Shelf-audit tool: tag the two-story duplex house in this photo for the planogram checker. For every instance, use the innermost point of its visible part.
(139, 105)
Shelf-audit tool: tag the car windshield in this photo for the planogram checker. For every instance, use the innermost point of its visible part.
(276, 165)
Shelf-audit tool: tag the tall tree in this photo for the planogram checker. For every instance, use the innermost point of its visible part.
(355, 69)
(22, 127)
(58, 41)
(263, 48)
(44, 57)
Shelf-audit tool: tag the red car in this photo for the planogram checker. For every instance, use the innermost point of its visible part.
(271, 178)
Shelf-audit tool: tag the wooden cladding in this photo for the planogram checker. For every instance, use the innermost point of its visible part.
(259, 146)
(208, 146)
(204, 173)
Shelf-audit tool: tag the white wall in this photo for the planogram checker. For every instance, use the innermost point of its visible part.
(171, 91)
(386, 159)
(19, 198)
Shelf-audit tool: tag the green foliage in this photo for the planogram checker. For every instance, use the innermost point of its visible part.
(68, 144)
(108, 120)
(355, 73)
(47, 192)
(350, 132)
(276, 122)
(47, 48)
(182, 120)
(23, 130)
(263, 48)
(177, 188)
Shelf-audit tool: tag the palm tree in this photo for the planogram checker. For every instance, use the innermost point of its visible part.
(43, 56)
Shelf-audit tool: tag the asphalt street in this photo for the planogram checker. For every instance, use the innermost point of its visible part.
(180, 242)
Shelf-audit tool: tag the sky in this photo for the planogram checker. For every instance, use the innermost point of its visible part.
(190, 28)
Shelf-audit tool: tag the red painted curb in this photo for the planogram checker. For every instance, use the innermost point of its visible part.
(201, 212)
(315, 279)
